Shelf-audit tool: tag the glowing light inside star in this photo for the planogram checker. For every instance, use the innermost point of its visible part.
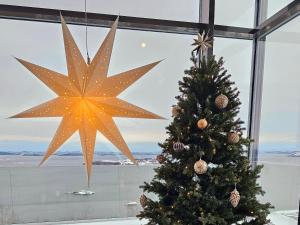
(87, 103)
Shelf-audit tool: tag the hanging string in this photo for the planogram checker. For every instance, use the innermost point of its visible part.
(86, 34)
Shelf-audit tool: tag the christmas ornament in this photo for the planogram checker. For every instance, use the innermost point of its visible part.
(202, 123)
(176, 110)
(235, 198)
(178, 146)
(214, 151)
(202, 43)
(200, 167)
(233, 138)
(221, 101)
(143, 200)
(199, 107)
(160, 158)
(87, 98)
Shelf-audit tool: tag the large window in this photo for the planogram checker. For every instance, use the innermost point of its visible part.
(57, 191)
(32, 194)
(280, 118)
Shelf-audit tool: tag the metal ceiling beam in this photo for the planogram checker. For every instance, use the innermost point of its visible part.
(280, 18)
(126, 22)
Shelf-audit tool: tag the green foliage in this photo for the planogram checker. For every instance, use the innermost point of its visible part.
(185, 198)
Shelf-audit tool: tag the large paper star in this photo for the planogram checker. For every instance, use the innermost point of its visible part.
(87, 98)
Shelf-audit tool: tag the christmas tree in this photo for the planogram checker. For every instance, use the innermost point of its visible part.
(205, 177)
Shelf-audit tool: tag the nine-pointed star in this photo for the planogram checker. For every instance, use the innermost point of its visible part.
(87, 98)
(202, 43)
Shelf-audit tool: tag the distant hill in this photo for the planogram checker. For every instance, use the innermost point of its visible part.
(34, 148)
(29, 153)
(72, 148)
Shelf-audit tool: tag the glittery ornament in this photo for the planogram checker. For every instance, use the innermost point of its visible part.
(143, 200)
(202, 123)
(87, 98)
(233, 138)
(176, 110)
(160, 158)
(221, 101)
(178, 146)
(235, 198)
(200, 167)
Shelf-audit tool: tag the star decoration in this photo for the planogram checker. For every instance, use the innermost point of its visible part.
(87, 98)
(202, 43)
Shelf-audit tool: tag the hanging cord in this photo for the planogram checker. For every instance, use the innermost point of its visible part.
(86, 34)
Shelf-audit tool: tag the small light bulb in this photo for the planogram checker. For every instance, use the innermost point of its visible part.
(143, 45)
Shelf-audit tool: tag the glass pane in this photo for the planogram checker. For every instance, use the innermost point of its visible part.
(279, 129)
(233, 51)
(49, 193)
(167, 9)
(235, 13)
(275, 6)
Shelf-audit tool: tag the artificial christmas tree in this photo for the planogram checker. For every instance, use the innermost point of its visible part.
(211, 182)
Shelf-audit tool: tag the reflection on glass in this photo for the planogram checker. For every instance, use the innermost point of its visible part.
(279, 129)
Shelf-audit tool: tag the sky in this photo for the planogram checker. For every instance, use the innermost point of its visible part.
(42, 44)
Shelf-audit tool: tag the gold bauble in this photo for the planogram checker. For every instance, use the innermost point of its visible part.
(235, 198)
(233, 138)
(143, 200)
(176, 110)
(200, 167)
(221, 101)
(202, 123)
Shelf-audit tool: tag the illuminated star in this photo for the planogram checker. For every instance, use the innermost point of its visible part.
(87, 98)
(202, 43)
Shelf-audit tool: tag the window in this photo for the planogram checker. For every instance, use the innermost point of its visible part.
(167, 9)
(235, 13)
(274, 6)
(280, 130)
(48, 194)
(237, 55)
(58, 190)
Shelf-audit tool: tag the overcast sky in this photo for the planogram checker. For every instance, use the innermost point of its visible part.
(42, 44)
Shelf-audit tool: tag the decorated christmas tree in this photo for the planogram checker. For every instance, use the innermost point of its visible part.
(205, 177)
